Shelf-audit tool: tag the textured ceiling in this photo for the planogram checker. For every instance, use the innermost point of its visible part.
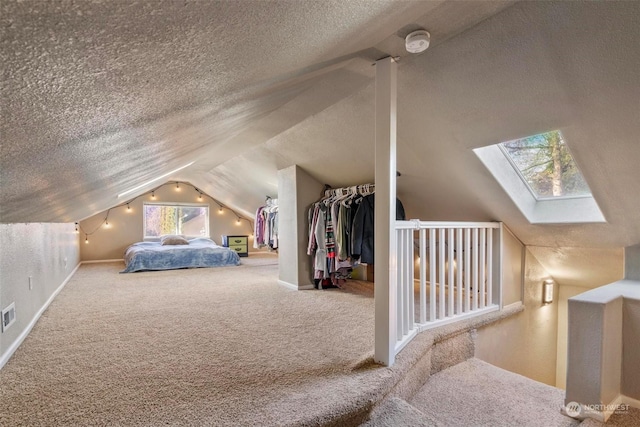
(99, 97)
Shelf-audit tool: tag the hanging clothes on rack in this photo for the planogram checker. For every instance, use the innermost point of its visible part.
(339, 236)
(363, 228)
(266, 225)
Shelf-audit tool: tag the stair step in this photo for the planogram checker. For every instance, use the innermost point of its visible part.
(395, 412)
(475, 393)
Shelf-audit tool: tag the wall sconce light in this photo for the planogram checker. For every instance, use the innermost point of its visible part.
(153, 195)
(547, 287)
(177, 186)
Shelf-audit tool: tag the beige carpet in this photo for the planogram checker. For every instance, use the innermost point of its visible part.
(475, 393)
(209, 347)
(622, 417)
(223, 346)
(479, 394)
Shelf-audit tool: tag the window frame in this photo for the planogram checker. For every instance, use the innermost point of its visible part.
(176, 204)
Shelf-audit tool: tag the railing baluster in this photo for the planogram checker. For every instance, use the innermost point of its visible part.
(450, 283)
(403, 290)
(432, 274)
(474, 270)
(458, 265)
(399, 303)
(409, 266)
(467, 269)
(442, 293)
(423, 275)
(490, 266)
(481, 273)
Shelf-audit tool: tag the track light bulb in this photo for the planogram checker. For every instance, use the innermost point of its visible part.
(177, 186)
(220, 210)
(86, 239)
(153, 195)
(238, 221)
(128, 207)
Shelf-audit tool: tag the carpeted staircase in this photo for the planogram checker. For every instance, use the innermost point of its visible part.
(475, 393)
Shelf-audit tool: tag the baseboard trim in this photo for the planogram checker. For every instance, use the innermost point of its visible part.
(98, 261)
(630, 401)
(14, 346)
(295, 287)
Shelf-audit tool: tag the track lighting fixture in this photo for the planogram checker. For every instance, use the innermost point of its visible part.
(153, 195)
(177, 186)
(77, 228)
(128, 208)
(86, 239)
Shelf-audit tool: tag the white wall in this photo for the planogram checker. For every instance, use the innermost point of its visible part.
(524, 343)
(512, 267)
(631, 348)
(564, 293)
(632, 262)
(297, 190)
(125, 227)
(48, 253)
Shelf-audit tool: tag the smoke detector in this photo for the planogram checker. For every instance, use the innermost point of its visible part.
(417, 41)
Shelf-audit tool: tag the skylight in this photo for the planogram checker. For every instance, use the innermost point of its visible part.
(544, 163)
(540, 176)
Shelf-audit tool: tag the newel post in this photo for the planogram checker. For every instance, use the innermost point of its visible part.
(385, 257)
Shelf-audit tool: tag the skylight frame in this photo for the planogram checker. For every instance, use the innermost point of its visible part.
(576, 209)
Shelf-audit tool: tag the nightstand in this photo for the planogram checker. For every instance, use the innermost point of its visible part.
(240, 244)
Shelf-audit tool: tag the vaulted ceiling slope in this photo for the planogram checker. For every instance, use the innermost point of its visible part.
(99, 97)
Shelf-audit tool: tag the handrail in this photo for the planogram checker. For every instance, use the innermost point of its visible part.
(416, 223)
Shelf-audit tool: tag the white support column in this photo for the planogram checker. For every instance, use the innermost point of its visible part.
(385, 257)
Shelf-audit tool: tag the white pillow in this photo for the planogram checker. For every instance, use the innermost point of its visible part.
(173, 240)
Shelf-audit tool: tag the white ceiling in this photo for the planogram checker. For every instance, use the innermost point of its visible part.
(99, 97)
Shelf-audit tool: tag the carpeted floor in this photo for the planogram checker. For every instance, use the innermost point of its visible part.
(230, 347)
(224, 346)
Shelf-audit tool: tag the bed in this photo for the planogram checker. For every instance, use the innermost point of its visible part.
(198, 252)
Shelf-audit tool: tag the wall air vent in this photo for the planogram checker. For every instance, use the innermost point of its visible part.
(8, 316)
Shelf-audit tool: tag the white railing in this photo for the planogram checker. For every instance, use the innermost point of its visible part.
(459, 269)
